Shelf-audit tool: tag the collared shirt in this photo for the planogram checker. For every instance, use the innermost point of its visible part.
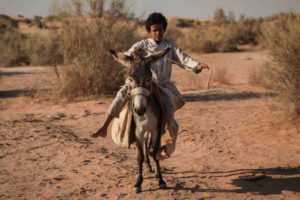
(162, 70)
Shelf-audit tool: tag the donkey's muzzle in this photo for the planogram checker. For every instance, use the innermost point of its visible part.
(140, 111)
(140, 102)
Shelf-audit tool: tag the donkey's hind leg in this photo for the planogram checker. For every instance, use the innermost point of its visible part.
(139, 176)
(161, 182)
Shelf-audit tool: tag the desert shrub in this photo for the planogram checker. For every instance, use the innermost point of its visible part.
(13, 48)
(224, 34)
(12, 43)
(282, 37)
(219, 16)
(27, 21)
(219, 39)
(38, 21)
(17, 48)
(7, 24)
(184, 23)
(45, 50)
(50, 18)
(247, 30)
(85, 47)
(173, 32)
(20, 49)
(96, 7)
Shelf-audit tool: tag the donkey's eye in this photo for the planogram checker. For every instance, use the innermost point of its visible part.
(130, 80)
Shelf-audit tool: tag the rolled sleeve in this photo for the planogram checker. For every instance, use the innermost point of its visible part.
(140, 44)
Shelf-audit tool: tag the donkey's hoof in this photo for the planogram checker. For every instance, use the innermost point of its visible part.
(138, 177)
(163, 186)
(149, 170)
(137, 190)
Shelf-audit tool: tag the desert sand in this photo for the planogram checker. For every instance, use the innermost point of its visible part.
(233, 142)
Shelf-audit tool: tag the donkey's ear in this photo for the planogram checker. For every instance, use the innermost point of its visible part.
(122, 58)
(157, 56)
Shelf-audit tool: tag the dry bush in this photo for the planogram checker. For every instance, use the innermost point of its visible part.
(246, 30)
(223, 34)
(183, 23)
(219, 16)
(13, 48)
(85, 46)
(11, 40)
(282, 36)
(173, 33)
(25, 49)
(217, 39)
(33, 49)
(45, 50)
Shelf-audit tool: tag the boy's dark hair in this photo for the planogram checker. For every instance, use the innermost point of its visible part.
(156, 18)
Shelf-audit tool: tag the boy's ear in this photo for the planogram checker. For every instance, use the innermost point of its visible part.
(122, 58)
(157, 56)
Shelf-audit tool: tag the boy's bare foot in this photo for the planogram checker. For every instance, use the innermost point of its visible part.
(162, 154)
(101, 132)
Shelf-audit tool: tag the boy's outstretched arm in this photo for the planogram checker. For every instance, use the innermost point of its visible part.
(187, 61)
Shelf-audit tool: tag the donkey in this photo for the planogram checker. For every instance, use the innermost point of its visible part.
(145, 108)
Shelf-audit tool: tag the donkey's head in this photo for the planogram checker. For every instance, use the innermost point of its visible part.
(139, 80)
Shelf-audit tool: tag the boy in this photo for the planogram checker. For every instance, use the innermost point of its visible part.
(156, 25)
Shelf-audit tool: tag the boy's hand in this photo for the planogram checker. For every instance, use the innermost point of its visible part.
(201, 66)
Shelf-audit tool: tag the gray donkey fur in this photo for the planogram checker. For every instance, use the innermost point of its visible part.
(146, 110)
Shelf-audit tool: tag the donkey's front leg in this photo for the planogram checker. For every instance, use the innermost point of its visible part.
(161, 182)
(147, 160)
(139, 176)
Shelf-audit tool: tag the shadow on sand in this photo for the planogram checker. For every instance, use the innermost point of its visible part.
(226, 96)
(264, 186)
(17, 93)
(15, 73)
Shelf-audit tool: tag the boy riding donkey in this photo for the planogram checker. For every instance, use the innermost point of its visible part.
(170, 98)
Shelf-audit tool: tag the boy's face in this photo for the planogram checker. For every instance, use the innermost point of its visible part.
(157, 32)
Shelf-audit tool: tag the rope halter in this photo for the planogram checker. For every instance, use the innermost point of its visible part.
(140, 91)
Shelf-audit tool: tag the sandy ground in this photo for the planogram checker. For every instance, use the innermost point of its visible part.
(226, 134)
